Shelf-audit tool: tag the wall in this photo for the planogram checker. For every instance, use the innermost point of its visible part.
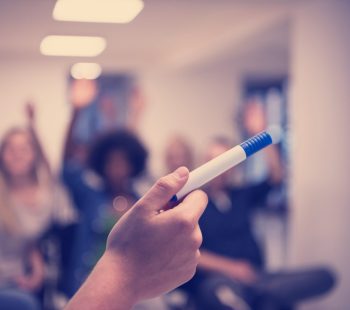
(196, 104)
(320, 112)
(43, 82)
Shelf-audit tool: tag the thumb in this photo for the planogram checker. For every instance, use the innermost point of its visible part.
(163, 190)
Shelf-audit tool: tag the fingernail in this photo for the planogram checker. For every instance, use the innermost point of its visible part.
(181, 173)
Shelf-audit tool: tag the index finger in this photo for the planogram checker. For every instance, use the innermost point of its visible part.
(162, 191)
(193, 206)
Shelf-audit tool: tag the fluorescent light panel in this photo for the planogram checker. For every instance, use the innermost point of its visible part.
(81, 46)
(97, 11)
(86, 70)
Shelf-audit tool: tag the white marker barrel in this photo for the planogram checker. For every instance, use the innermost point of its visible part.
(227, 160)
(212, 169)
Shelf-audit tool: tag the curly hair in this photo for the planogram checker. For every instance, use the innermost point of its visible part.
(122, 141)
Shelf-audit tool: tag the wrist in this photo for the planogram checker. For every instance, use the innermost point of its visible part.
(119, 282)
(107, 287)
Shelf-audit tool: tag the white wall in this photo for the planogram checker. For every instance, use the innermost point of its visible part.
(196, 104)
(320, 111)
(45, 83)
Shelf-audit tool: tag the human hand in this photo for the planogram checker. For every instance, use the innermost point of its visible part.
(157, 251)
(30, 112)
(82, 93)
(149, 251)
(254, 117)
(241, 270)
(29, 283)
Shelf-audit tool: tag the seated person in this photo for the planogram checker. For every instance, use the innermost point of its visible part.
(31, 202)
(103, 192)
(178, 152)
(231, 271)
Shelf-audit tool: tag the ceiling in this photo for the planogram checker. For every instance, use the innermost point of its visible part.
(166, 34)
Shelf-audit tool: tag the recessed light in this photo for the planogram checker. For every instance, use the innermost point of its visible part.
(86, 70)
(97, 11)
(56, 45)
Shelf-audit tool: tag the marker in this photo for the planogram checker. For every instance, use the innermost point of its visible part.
(228, 160)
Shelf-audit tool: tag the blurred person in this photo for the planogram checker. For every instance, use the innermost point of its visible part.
(270, 223)
(100, 106)
(149, 251)
(254, 120)
(31, 202)
(231, 272)
(178, 152)
(103, 191)
(75, 150)
(118, 158)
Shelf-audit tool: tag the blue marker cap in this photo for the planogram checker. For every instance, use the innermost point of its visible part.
(261, 140)
(227, 160)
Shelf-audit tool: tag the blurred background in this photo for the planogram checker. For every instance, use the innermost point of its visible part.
(169, 79)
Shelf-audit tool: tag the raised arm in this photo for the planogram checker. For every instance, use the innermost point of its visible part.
(69, 144)
(31, 121)
(254, 120)
(149, 251)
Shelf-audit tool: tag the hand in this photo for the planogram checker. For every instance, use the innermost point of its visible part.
(242, 271)
(30, 111)
(254, 117)
(29, 283)
(82, 93)
(158, 251)
(149, 251)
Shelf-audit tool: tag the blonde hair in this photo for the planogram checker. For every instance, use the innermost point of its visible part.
(41, 176)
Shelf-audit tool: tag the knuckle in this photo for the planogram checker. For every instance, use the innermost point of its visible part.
(163, 184)
(197, 256)
(195, 240)
(198, 239)
(139, 207)
(185, 225)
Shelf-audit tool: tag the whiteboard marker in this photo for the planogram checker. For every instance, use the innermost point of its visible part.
(228, 160)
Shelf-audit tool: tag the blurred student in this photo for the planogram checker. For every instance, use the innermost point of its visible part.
(31, 202)
(96, 110)
(178, 152)
(231, 272)
(103, 191)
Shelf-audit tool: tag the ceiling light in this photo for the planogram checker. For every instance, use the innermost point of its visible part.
(85, 70)
(97, 11)
(72, 46)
